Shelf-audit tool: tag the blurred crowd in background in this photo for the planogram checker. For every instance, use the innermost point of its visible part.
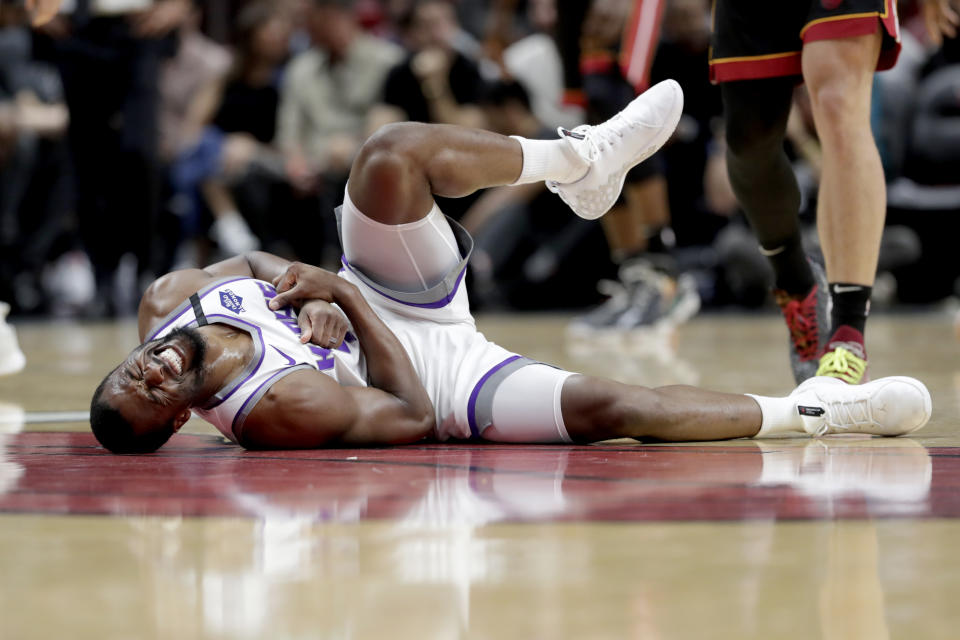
(138, 137)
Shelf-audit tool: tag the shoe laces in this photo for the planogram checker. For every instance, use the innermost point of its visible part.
(607, 134)
(845, 413)
(801, 317)
(843, 364)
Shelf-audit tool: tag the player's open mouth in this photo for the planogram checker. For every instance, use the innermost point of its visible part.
(173, 357)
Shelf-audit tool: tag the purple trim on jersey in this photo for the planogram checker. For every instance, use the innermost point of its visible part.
(263, 353)
(472, 402)
(442, 302)
(289, 359)
(233, 423)
(209, 288)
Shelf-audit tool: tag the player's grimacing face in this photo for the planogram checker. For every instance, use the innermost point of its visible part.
(159, 379)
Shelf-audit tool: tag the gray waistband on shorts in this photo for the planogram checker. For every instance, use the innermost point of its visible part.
(480, 404)
(435, 297)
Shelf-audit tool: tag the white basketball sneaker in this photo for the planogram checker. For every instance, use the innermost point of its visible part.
(885, 407)
(12, 359)
(616, 146)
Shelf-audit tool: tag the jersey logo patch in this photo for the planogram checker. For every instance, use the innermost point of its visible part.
(231, 301)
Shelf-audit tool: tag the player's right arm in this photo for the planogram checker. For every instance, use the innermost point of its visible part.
(307, 410)
(394, 409)
(388, 366)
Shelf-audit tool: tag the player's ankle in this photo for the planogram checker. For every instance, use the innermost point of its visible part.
(792, 272)
(851, 305)
(780, 416)
(549, 160)
(846, 334)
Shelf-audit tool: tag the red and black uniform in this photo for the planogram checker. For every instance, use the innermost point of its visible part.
(755, 39)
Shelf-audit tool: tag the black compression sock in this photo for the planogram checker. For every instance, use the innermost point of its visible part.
(791, 270)
(851, 305)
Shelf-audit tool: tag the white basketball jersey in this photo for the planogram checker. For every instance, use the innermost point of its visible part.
(242, 303)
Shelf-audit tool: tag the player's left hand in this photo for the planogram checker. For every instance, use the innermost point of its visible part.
(41, 11)
(304, 282)
(942, 18)
(322, 324)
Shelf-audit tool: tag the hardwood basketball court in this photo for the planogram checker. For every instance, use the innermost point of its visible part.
(842, 537)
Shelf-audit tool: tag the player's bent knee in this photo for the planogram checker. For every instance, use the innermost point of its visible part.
(394, 138)
(839, 79)
(836, 103)
(389, 154)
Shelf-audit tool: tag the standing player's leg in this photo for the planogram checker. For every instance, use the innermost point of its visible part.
(852, 200)
(756, 113)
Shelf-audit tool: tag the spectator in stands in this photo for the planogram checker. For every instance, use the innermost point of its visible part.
(325, 103)
(534, 61)
(437, 82)
(34, 166)
(529, 252)
(190, 83)
(232, 171)
(110, 55)
(328, 93)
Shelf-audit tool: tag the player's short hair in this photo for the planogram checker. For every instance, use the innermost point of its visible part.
(116, 434)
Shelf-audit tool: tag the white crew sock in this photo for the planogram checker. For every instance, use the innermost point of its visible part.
(780, 416)
(550, 160)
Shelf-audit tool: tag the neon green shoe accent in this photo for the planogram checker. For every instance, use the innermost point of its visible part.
(842, 364)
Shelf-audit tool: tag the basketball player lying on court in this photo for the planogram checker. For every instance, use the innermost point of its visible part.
(259, 347)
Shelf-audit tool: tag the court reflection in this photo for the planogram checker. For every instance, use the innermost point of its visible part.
(448, 542)
(471, 485)
(11, 422)
(12, 417)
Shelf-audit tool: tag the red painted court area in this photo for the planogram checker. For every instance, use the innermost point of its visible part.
(66, 473)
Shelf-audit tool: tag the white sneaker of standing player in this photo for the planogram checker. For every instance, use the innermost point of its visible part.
(12, 359)
(890, 406)
(616, 146)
